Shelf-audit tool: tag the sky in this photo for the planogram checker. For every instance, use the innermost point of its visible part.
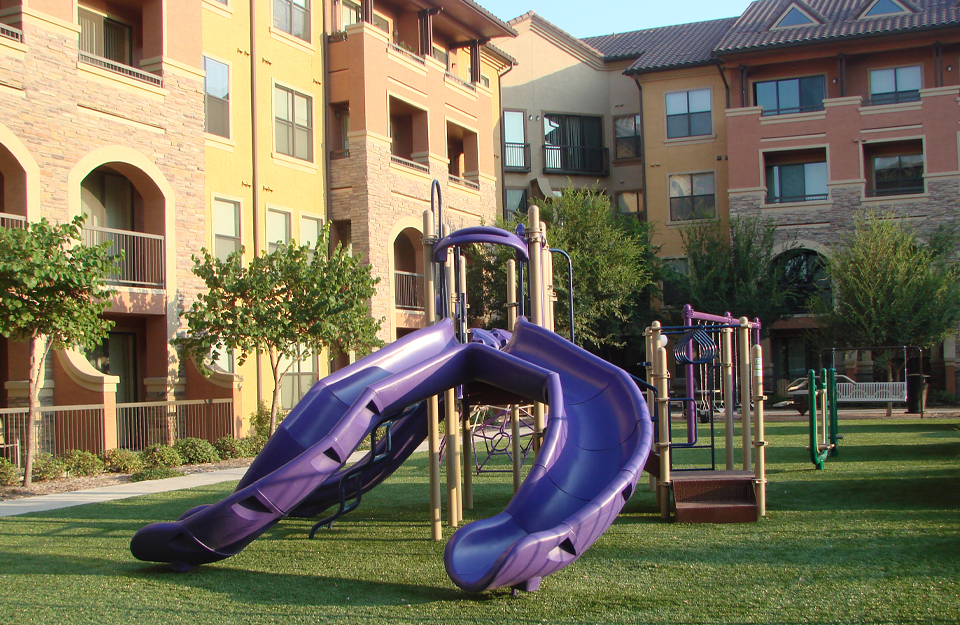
(602, 17)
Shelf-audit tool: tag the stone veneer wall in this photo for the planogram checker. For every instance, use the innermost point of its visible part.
(375, 195)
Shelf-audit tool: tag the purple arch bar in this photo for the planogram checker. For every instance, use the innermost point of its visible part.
(479, 234)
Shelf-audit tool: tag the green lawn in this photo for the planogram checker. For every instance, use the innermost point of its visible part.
(873, 538)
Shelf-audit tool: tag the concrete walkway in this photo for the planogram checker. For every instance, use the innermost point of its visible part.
(43, 503)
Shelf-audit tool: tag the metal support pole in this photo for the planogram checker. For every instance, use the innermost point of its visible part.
(512, 312)
(535, 247)
(661, 377)
(467, 424)
(743, 339)
(452, 425)
(433, 403)
(573, 336)
(729, 401)
(759, 443)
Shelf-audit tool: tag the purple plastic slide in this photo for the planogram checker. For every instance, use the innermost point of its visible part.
(594, 449)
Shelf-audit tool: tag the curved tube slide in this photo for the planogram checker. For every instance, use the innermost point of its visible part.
(594, 449)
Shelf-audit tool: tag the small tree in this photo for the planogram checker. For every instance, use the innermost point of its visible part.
(289, 303)
(889, 287)
(52, 292)
(734, 270)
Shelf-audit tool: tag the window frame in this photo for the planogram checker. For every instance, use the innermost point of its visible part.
(640, 214)
(901, 188)
(687, 115)
(238, 222)
(896, 96)
(524, 201)
(790, 160)
(567, 156)
(274, 243)
(293, 93)
(635, 138)
(524, 145)
(226, 100)
(307, 20)
(866, 12)
(101, 43)
(790, 110)
(692, 196)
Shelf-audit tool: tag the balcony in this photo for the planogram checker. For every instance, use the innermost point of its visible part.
(12, 221)
(120, 68)
(787, 199)
(516, 157)
(459, 81)
(408, 290)
(9, 32)
(407, 53)
(403, 162)
(463, 182)
(143, 256)
(905, 189)
(576, 160)
(895, 97)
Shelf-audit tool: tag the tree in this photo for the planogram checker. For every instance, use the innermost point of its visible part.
(289, 303)
(890, 287)
(52, 291)
(734, 271)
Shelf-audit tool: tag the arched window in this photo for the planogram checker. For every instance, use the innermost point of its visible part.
(804, 270)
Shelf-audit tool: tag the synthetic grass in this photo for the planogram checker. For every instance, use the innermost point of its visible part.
(874, 538)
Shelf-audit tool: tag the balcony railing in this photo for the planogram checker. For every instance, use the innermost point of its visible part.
(58, 429)
(895, 97)
(576, 159)
(9, 32)
(338, 154)
(460, 81)
(464, 182)
(12, 221)
(516, 157)
(408, 290)
(120, 68)
(399, 160)
(786, 199)
(413, 56)
(795, 109)
(143, 260)
(905, 189)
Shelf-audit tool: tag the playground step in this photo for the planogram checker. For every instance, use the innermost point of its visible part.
(714, 497)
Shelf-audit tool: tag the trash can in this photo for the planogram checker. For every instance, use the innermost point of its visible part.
(916, 392)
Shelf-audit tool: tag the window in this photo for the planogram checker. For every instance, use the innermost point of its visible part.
(107, 198)
(688, 114)
(104, 37)
(294, 123)
(226, 228)
(515, 203)
(349, 13)
(630, 203)
(793, 95)
(278, 228)
(224, 359)
(441, 55)
(889, 86)
(794, 17)
(310, 230)
(797, 182)
(574, 144)
(898, 175)
(884, 7)
(692, 196)
(299, 379)
(516, 150)
(216, 87)
(627, 136)
(804, 272)
(292, 16)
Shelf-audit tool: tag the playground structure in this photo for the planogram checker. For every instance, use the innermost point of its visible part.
(823, 398)
(587, 462)
(720, 376)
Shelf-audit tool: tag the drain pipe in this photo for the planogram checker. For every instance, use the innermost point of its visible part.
(255, 172)
(643, 146)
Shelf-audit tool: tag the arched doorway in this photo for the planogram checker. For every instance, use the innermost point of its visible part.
(793, 354)
(408, 282)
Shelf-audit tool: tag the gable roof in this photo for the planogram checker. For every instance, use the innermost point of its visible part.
(841, 20)
(669, 47)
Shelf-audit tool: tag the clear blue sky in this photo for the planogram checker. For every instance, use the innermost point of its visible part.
(588, 19)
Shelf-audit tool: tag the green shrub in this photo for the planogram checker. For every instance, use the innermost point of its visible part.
(154, 473)
(196, 451)
(80, 463)
(229, 447)
(260, 419)
(46, 467)
(252, 445)
(8, 473)
(122, 461)
(160, 456)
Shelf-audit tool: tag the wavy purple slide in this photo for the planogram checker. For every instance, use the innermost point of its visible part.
(594, 449)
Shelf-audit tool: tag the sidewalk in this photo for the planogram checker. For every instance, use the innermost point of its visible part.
(43, 503)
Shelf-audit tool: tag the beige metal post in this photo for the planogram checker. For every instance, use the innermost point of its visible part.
(650, 395)
(467, 422)
(661, 377)
(536, 302)
(453, 428)
(549, 295)
(743, 344)
(433, 404)
(760, 477)
(514, 409)
(729, 401)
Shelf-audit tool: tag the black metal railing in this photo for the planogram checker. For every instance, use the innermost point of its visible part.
(894, 97)
(576, 159)
(143, 256)
(464, 182)
(786, 199)
(795, 109)
(408, 290)
(410, 54)
(903, 189)
(516, 157)
(120, 68)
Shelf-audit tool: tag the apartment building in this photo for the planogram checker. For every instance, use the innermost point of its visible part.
(414, 96)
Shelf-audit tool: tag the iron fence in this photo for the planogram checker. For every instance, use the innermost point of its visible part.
(140, 425)
(58, 429)
(408, 291)
(142, 263)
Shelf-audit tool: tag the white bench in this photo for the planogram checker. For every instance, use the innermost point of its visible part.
(851, 391)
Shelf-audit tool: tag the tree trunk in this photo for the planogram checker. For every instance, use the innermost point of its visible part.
(33, 408)
(889, 379)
